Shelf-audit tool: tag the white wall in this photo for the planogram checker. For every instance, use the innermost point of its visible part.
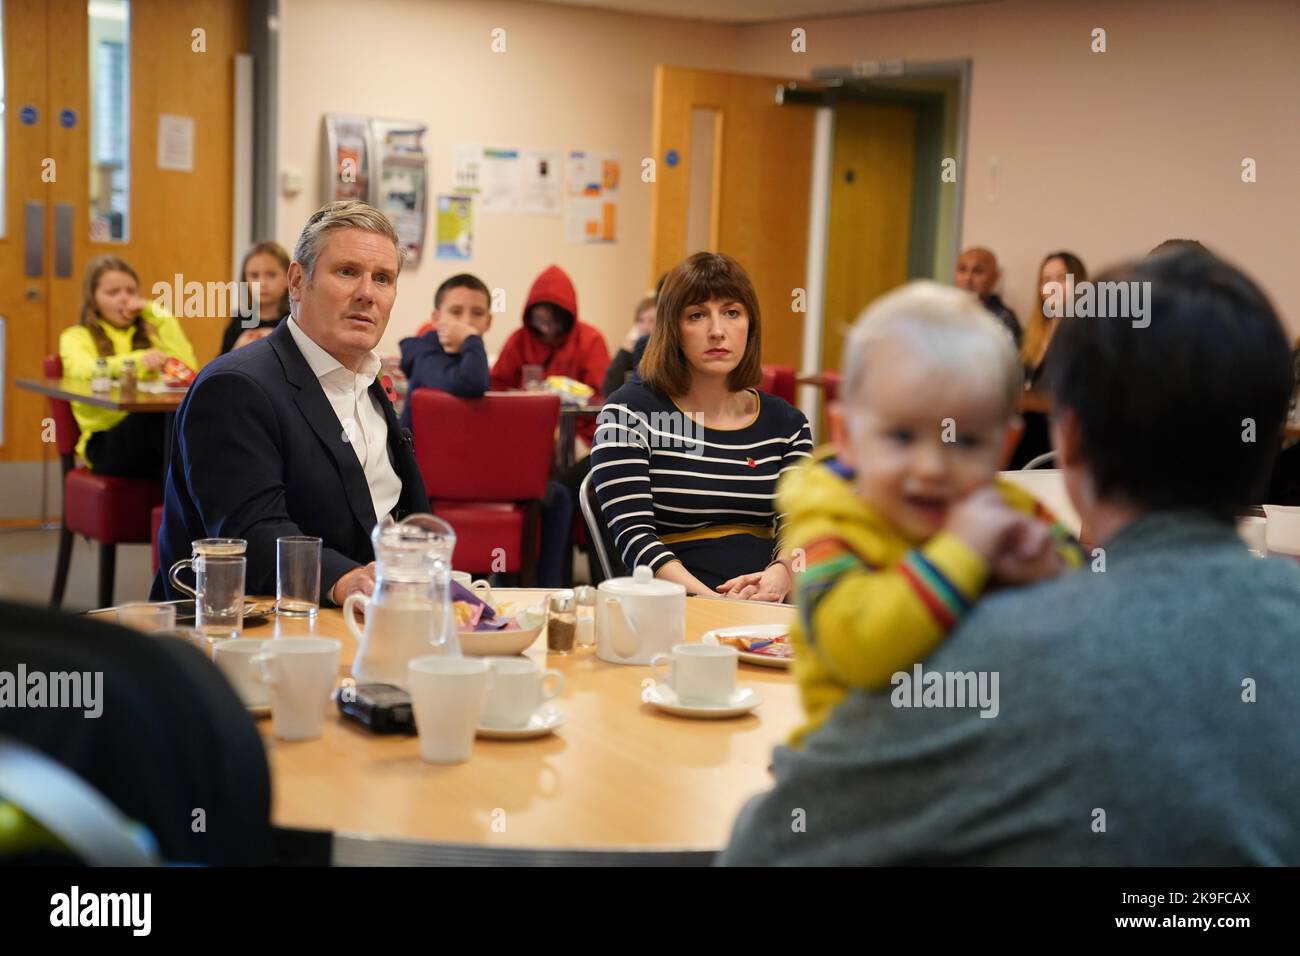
(569, 79)
(1104, 154)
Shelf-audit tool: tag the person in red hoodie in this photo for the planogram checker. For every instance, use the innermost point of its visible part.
(553, 337)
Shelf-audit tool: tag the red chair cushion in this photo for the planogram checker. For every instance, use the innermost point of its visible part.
(107, 509)
(155, 525)
(483, 531)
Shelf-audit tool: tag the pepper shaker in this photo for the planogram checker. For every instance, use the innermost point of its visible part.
(560, 622)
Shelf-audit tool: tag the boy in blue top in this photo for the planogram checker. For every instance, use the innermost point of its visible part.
(451, 355)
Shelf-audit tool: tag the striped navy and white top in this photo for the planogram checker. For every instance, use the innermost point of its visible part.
(666, 483)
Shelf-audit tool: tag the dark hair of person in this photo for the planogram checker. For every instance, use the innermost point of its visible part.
(462, 281)
(697, 279)
(1177, 245)
(90, 317)
(1188, 411)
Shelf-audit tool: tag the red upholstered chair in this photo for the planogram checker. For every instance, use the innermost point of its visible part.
(778, 380)
(103, 508)
(831, 385)
(485, 462)
(155, 525)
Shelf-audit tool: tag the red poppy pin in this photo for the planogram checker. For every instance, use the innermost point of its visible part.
(391, 392)
(751, 463)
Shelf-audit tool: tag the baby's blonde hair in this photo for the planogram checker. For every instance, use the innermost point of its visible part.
(946, 325)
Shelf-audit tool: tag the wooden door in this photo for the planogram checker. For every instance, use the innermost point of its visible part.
(761, 156)
(179, 62)
(870, 221)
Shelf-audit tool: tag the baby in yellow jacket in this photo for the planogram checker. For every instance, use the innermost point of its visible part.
(902, 524)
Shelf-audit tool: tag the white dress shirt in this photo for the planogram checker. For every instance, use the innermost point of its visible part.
(362, 420)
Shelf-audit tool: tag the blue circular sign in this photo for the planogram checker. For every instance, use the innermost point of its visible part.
(68, 118)
(671, 157)
(28, 115)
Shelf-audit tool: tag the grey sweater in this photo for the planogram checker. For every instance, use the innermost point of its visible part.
(1121, 736)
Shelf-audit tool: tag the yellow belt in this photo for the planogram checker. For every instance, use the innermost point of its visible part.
(718, 531)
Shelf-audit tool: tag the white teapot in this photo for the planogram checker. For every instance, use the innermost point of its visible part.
(639, 617)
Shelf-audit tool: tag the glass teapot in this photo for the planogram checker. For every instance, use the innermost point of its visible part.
(410, 613)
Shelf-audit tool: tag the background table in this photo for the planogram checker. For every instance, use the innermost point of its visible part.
(78, 390)
(565, 441)
(618, 774)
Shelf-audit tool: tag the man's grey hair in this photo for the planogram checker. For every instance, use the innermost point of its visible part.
(341, 214)
(946, 326)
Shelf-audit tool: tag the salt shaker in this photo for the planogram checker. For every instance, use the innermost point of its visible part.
(100, 380)
(584, 597)
(560, 622)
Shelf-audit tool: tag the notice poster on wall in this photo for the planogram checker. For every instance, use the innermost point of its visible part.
(466, 168)
(591, 209)
(541, 190)
(455, 227)
(176, 143)
(347, 170)
(402, 173)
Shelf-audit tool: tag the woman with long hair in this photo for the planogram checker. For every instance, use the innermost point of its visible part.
(1058, 275)
(266, 269)
(116, 324)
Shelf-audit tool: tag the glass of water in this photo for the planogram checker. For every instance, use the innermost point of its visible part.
(297, 576)
(219, 597)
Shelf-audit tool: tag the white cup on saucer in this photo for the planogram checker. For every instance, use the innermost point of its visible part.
(519, 689)
(447, 695)
(233, 658)
(703, 674)
(300, 672)
(481, 588)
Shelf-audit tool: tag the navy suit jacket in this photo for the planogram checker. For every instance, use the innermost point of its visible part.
(258, 453)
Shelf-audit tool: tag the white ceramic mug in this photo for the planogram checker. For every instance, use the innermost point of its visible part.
(702, 674)
(519, 689)
(447, 695)
(481, 588)
(233, 658)
(300, 672)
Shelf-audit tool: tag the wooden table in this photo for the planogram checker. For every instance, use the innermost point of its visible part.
(78, 390)
(618, 774)
(565, 450)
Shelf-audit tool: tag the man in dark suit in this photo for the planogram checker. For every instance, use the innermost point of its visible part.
(293, 435)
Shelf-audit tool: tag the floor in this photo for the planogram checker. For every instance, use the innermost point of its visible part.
(27, 558)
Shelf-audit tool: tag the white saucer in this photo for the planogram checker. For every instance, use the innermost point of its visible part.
(743, 700)
(545, 721)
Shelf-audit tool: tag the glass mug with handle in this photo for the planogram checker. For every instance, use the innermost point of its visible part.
(214, 547)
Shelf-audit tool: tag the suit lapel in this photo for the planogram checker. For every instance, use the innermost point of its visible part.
(310, 398)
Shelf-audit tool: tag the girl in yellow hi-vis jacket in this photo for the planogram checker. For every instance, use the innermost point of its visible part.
(117, 324)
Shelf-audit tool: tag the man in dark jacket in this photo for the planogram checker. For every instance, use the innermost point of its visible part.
(978, 272)
(294, 435)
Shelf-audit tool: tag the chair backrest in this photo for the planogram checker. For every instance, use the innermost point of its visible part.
(66, 430)
(831, 385)
(82, 819)
(495, 448)
(779, 380)
(611, 563)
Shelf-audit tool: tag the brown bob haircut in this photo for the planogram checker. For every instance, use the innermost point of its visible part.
(695, 280)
